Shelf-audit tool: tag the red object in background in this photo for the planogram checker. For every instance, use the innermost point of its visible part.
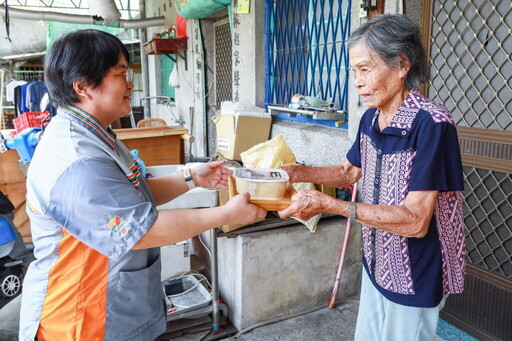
(29, 120)
(181, 26)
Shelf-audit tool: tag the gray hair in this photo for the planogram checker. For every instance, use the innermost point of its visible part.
(391, 35)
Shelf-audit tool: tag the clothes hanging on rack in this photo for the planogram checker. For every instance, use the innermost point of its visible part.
(35, 92)
(26, 96)
(23, 102)
(17, 100)
(9, 89)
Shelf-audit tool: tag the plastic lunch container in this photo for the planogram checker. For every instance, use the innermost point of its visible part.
(261, 183)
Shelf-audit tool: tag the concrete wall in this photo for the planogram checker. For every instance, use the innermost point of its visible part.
(274, 273)
(27, 36)
(248, 55)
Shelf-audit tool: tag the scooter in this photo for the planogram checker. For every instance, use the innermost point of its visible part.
(15, 256)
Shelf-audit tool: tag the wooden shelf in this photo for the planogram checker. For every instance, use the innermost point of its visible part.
(156, 145)
(165, 46)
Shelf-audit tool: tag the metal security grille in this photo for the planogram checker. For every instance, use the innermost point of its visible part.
(29, 74)
(223, 74)
(488, 217)
(471, 49)
(305, 50)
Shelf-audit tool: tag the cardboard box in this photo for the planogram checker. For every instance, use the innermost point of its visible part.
(326, 190)
(224, 198)
(236, 134)
(175, 259)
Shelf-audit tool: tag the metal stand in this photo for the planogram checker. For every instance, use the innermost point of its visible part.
(215, 308)
(215, 280)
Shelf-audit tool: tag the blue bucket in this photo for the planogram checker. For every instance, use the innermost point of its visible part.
(6, 232)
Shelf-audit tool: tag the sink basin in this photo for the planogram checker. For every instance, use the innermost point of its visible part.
(195, 198)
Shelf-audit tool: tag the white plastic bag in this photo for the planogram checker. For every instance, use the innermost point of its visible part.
(273, 153)
(174, 78)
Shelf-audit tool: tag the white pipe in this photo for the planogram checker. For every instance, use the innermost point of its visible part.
(79, 19)
(2, 73)
(143, 57)
(106, 9)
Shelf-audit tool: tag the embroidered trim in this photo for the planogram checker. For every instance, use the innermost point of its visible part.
(90, 122)
(136, 172)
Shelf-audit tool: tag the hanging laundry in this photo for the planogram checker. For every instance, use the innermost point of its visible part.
(23, 100)
(17, 100)
(35, 92)
(9, 89)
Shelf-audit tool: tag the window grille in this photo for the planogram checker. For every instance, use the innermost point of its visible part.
(223, 67)
(488, 218)
(470, 50)
(29, 74)
(306, 52)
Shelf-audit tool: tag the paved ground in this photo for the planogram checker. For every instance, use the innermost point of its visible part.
(320, 325)
(324, 324)
(9, 319)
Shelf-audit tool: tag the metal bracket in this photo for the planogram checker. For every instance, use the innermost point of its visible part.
(182, 56)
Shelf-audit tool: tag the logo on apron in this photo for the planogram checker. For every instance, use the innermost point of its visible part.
(117, 224)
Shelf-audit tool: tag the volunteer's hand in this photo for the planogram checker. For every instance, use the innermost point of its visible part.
(241, 211)
(211, 175)
(307, 204)
(296, 172)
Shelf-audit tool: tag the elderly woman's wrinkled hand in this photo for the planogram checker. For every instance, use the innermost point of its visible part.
(307, 204)
(211, 175)
(295, 172)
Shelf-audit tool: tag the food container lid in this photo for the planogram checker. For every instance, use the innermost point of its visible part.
(261, 174)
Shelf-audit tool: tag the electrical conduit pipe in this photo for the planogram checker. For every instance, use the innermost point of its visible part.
(81, 19)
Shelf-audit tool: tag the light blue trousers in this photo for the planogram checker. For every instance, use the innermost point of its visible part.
(379, 319)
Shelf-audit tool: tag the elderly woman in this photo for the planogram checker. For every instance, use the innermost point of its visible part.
(407, 158)
(94, 221)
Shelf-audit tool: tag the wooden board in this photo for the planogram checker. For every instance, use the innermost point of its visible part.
(159, 46)
(136, 133)
(156, 145)
(269, 205)
(13, 185)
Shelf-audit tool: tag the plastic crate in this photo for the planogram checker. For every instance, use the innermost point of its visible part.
(29, 120)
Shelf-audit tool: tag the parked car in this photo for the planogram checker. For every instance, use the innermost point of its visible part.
(15, 256)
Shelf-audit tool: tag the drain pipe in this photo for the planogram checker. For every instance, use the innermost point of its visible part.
(144, 62)
(81, 19)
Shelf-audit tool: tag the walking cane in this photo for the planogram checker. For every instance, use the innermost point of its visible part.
(330, 303)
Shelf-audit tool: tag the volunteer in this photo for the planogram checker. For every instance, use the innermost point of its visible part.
(407, 160)
(95, 226)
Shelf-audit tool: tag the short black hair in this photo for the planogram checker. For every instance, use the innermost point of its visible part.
(80, 55)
